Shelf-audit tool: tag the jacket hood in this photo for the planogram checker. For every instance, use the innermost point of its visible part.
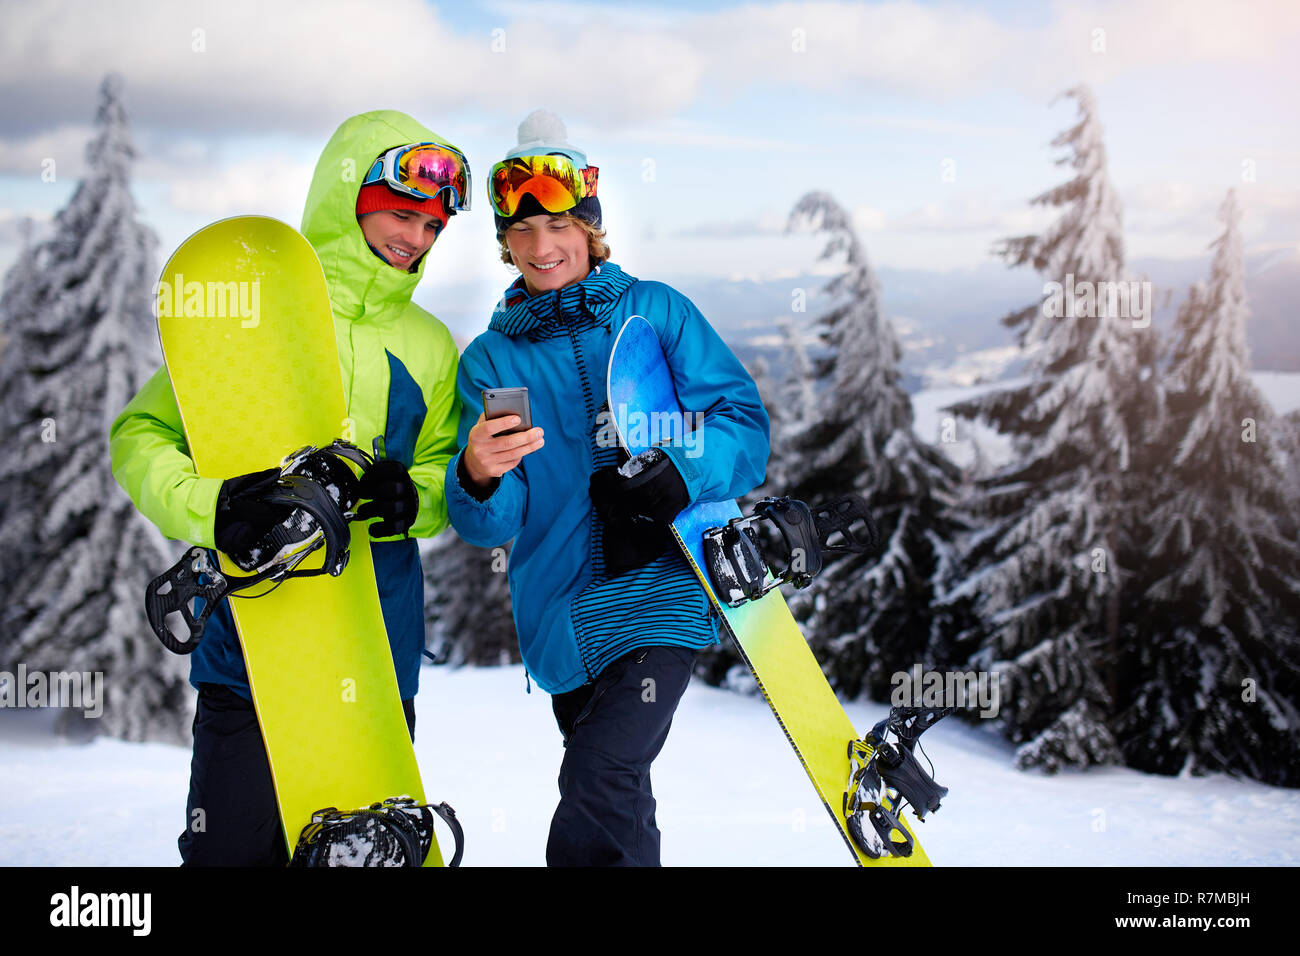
(359, 281)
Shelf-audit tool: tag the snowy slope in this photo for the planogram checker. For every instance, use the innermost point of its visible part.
(110, 802)
(929, 421)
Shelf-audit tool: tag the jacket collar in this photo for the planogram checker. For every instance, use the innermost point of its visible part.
(576, 307)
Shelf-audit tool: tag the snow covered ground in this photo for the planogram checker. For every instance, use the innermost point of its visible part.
(957, 439)
(730, 792)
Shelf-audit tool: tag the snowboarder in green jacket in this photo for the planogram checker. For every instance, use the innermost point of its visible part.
(372, 222)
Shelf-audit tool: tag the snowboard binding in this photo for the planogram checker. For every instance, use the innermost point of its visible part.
(787, 539)
(885, 776)
(396, 832)
(318, 493)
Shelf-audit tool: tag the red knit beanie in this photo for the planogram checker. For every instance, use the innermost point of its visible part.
(377, 197)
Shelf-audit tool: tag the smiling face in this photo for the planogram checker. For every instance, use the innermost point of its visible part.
(401, 236)
(550, 251)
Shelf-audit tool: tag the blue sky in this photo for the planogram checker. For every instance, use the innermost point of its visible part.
(931, 121)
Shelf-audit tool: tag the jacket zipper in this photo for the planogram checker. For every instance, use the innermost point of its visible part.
(591, 451)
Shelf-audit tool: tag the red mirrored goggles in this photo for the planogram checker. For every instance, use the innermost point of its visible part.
(425, 170)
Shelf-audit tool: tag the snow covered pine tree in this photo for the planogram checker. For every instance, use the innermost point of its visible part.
(468, 618)
(794, 408)
(1213, 677)
(75, 556)
(870, 615)
(1044, 577)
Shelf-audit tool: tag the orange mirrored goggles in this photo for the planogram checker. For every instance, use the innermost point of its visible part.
(556, 181)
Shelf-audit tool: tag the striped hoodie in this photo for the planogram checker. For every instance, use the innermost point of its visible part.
(572, 619)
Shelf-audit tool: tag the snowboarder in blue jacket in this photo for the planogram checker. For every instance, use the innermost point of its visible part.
(609, 615)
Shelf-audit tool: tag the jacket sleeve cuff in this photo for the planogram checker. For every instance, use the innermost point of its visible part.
(467, 485)
(202, 503)
(686, 467)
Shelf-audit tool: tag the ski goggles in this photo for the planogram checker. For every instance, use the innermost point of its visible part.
(424, 170)
(556, 181)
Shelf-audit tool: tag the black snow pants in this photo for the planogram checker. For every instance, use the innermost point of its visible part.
(231, 815)
(613, 729)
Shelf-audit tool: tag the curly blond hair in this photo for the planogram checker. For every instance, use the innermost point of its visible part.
(597, 247)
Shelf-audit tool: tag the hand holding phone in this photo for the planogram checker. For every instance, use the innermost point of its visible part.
(499, 402)
(502, 435)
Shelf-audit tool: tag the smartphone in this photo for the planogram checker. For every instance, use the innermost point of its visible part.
(498, 402)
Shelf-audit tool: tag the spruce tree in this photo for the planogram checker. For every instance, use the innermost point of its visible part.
(75, 556)
(467, 603)
(867, 616)
(1216, 663)
(1290, 428)
(793, 409)
(1044, 575)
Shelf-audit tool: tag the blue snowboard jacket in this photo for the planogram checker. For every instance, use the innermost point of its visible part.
(571, 618)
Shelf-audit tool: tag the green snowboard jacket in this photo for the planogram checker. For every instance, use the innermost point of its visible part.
(399, 379)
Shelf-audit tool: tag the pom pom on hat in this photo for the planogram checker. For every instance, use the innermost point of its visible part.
(540, 133)
(544, 132)
(542, 126)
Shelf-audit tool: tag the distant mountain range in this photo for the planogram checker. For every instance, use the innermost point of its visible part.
(949, 323)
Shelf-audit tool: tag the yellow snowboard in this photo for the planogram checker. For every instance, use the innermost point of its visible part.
(248, 338)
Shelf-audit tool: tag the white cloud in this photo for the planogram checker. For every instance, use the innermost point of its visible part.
(964, 213)
(622, 75)
(693, 134)
(273, 183)
(934, 51)
(1177, 219)
(869, 219)
(764, 224)
(29, 155)
(627, 15)
(252, 65)
(924, 124)
(1154, 33)
(249, 64)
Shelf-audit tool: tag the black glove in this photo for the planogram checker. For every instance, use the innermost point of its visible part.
(243, 515)
(637, 504)
(393, 498)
